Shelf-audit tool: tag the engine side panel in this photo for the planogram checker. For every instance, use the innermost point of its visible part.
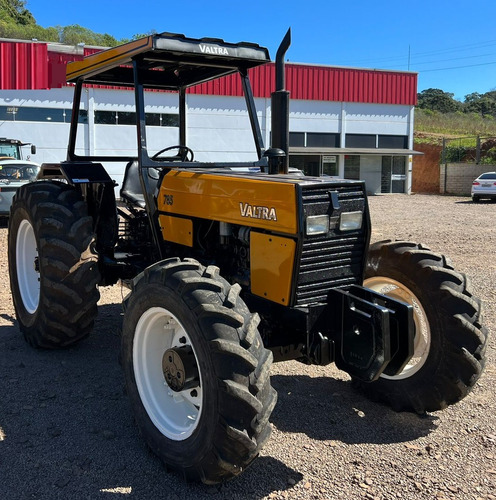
(176, 230)
(257, 203)
(271, 266)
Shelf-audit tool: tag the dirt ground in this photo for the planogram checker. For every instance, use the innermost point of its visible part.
(66, 430)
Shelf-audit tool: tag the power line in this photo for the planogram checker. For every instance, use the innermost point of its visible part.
(470, 46)
(414, 55)
(458, 67)
(473, 56)
(436, 61)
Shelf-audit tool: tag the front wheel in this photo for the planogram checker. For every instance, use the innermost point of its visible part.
(196, 370)
(450, 341)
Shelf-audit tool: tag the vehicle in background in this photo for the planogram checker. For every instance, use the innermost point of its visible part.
(12, 148)
(13, 174)
(484, 187)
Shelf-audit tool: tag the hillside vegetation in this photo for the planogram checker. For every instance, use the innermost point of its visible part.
(469, 127)
(16, 21)
(453, 124)
(438, 113)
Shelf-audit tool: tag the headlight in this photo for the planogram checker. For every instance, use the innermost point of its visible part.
(317, 224)
(350, 221)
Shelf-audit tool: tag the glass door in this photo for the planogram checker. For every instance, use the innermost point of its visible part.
(398, 177)
(393, 174)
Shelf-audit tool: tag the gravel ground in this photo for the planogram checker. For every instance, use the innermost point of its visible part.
(66, 429)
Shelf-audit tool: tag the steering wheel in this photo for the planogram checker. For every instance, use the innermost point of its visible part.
(182, 154)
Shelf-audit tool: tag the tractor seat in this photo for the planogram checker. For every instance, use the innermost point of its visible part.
(131, 187)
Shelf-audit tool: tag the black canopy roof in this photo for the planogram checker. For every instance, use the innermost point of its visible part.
(167, 61)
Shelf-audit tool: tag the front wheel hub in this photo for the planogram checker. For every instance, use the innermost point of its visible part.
(180, 368)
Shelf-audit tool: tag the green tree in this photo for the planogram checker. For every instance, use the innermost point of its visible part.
(438, 100)
(16, 21)
(15, 10)
(137, 36)
(481, 104)
(491, 95)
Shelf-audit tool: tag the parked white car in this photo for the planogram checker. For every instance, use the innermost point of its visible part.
(13, 174)
(484, 186)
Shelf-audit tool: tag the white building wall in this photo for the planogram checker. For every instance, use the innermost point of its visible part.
(218, 126)
(388, 119)
(315, 116)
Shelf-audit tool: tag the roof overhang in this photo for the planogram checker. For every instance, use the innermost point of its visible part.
(354, 151)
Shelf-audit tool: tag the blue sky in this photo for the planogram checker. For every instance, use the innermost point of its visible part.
(451, 44)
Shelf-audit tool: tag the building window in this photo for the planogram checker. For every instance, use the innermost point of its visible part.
(169, 120)
(322, 140)
(297, 139)
(330, 165)
(83, 116)
(39, 115)
(105, 117)
(352, 167)
(59, 115)
(393, 141)
(129, 118)
(361, 141)
(314, 140)
(31, 114)
(126, 118)
(152, 119)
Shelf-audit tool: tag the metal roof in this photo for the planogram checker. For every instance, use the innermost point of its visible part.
(324, 83)
(29, 65)
(169, 61)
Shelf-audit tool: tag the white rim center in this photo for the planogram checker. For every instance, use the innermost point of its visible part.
(28, 274)
(175, 414)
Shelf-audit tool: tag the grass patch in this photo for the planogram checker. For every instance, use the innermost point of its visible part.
(453, 124)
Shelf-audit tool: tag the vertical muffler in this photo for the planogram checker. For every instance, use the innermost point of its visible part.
(279, 152)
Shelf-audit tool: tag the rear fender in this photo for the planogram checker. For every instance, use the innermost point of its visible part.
(97, 189)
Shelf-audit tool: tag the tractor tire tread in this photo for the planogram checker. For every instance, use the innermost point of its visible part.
(69, 266)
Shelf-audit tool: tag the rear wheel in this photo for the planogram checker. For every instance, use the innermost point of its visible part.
(53, 267)
(196, 371)
(475, 199)
(449, 338)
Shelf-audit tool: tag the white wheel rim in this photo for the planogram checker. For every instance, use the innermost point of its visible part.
(422, 344)
(175, 414)
(28, 274)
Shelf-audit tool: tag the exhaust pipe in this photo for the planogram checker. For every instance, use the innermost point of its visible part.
(279, 160)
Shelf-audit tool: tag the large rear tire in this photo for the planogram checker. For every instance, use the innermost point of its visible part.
(196, 370)
(53, 267)
(449, 338)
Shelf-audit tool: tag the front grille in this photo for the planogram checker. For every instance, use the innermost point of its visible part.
(334, 260)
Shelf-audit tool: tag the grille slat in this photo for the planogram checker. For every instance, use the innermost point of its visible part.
(336, 260)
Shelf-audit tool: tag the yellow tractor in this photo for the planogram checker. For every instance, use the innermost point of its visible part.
(231, 266)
